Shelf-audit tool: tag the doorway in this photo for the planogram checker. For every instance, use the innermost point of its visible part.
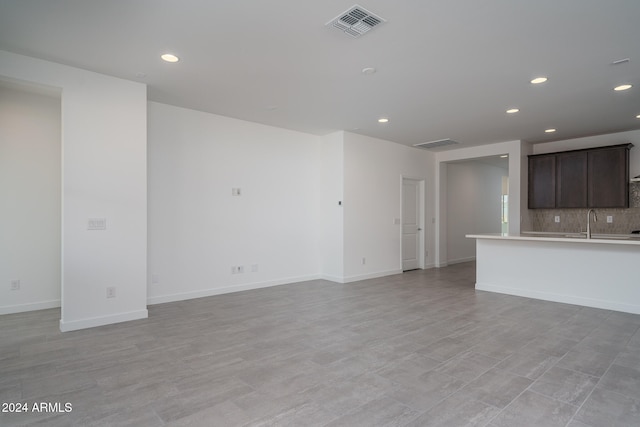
(412, 224)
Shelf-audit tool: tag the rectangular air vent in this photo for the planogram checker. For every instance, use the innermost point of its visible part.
(355, 21)
(435, 144)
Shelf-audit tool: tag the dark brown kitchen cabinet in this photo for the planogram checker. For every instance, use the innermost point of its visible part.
(590, 178)
(571, 179)
(542, 181)
(608, 177)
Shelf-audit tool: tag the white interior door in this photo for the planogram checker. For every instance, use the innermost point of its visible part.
(411, 226)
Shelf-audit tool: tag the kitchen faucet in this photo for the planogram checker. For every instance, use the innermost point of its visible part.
(595, 219)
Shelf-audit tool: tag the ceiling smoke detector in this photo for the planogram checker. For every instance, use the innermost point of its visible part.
(355, 21)
(436, 144)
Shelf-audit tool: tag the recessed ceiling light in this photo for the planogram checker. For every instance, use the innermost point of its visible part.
(620, 61)
(383, 120)
(539, 80)
(504, 156)
(369, 70)
(169, 57)
(512, 110)
(638, 116)
(550, 130)
(622, 87)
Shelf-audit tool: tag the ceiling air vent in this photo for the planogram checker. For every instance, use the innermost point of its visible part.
(435, 144)
(355, 21)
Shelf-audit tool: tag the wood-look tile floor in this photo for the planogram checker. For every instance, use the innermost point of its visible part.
(417, 349)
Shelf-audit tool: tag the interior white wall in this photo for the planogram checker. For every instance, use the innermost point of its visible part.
(517, 152)
(474, 191)
(598, 141)
(332, 212)
(104, 176)
(373, 171)
(198, 230)
(30, 193)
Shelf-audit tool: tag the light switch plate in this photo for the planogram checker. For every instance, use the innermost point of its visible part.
(97, 224)
(557, 218)
(609, 219)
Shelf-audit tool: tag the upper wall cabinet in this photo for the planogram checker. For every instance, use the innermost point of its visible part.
(608, 177)
(542, 181)
(571, 170)
(591, 178)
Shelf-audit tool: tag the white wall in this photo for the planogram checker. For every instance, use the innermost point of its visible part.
(198, 230)
(30, 193)
(474, 192)
(373, 171)
(332, 241)
(103, 176)
(517, 152)
(598, 141)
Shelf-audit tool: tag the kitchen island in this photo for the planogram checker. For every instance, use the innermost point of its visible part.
(601, 272)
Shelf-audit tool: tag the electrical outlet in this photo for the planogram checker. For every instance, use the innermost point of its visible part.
(236, 192)
(111, 292)
(97, 224)
(364, 260)
(609, 219)
(254, 268)
(557, 218)
(15, 285)
(240, 269)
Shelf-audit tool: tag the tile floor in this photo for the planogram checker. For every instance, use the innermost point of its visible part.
(418, 349)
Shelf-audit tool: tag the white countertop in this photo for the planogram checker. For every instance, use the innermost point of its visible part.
(534, 236)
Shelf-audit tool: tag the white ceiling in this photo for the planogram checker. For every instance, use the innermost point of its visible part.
(445, 68)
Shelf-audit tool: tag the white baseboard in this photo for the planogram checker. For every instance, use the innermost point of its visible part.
(567, 299)
(102, 320)
(334, 279)
(375, 275)
(460, 260)
(21, 308)
(161, 299)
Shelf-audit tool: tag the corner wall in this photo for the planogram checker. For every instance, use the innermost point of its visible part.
(517, 152)
(332, 207)
(474, 192)
(31, 195)
(198, 230)
(103, 176)
(373, 172)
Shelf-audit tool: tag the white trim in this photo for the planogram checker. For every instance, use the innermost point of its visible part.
(370, 276)
(33, 306)
(92, 322)
(161, 299)
(566, 299)
(461, 260)
(334, 279)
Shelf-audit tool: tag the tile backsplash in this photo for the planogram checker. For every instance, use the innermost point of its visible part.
(575, 220)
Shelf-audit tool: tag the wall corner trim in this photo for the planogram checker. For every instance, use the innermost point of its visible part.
(161, 299)
(375, 275)
(21, 308)
(92, 322)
